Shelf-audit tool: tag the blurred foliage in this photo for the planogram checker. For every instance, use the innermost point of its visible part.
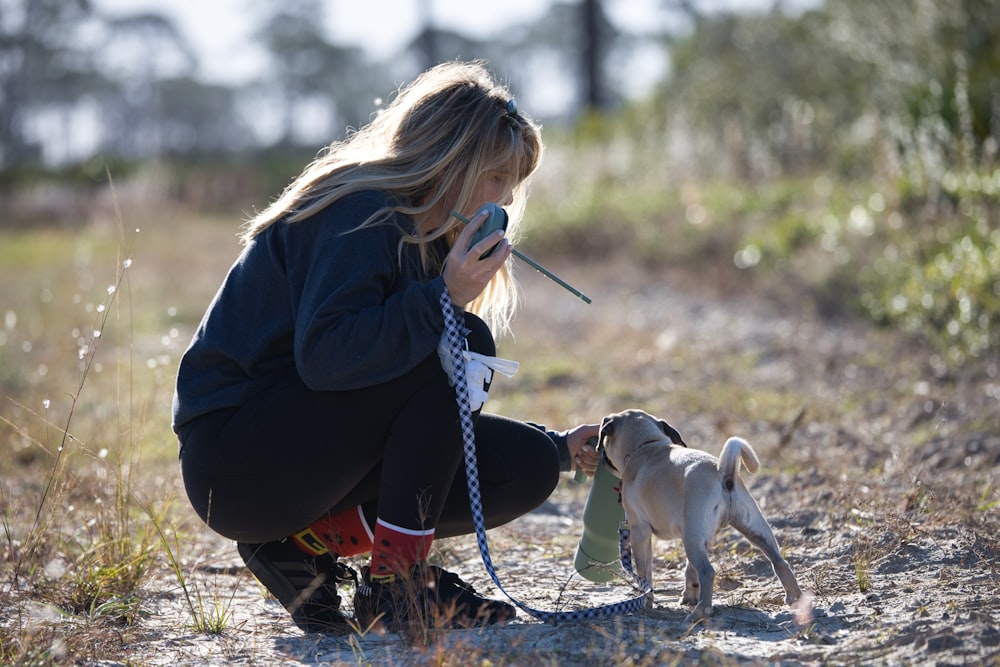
(939, 275)
(783, 93)
(848, 154)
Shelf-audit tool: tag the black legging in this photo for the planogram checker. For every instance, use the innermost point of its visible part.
(272, 466)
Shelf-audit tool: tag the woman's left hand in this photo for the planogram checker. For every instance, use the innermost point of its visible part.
(467, 271)
(583, 456)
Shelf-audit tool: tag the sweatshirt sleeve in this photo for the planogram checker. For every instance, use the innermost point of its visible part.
(562, 446)
(362, 313)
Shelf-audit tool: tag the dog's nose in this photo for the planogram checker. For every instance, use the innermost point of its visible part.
(607, 426)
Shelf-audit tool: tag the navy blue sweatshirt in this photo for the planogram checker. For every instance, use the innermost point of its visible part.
(346, 310)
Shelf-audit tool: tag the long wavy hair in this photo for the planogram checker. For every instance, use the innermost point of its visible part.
(439, 135)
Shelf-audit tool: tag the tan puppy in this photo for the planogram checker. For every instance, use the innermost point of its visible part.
(671, 491)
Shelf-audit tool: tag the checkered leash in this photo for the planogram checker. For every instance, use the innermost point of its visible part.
(455, 337)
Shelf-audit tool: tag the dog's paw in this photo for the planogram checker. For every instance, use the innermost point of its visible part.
(793, 594)
(700, 613)
(803, 607)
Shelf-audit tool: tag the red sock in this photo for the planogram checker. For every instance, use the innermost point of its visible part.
(345, 534)
(398, 549)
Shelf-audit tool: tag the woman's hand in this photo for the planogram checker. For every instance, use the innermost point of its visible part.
(465, 274)
(584, 456)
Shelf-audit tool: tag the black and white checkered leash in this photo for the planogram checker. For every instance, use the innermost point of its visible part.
(455, 347)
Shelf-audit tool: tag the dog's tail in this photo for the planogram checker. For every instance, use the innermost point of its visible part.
(734, 451)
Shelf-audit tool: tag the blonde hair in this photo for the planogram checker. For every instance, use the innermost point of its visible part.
(452, 125)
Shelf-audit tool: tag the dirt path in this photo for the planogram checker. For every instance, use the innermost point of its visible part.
(880, 477)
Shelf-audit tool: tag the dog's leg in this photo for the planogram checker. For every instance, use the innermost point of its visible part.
(697, 553)
(691, 586)
(749, 520)
(642, 553)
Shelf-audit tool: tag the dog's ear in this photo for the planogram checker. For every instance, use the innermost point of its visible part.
(672, 433)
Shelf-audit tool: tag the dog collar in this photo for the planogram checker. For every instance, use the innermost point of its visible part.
(607, 461)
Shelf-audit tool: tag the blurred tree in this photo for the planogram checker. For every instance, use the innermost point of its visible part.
(687, 8)
(45, 67)
(592, 48)
(566, 49)
(143, 55)
(768, 88)
(572, 39)
(311, 73)
(935, 59)
(446, 45)
(194, 119)
(60, 59)
(427, 40)
(781, 92)
(143, 46)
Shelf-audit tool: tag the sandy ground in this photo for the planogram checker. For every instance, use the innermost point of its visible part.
(880, 480)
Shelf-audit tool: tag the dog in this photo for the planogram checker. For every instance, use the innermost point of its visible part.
(671, 491)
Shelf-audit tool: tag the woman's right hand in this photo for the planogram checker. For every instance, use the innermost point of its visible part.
(466, 271)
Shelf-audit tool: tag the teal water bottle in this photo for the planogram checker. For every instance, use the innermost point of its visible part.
(597, 557)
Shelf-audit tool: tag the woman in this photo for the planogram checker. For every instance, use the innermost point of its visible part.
(315, 419)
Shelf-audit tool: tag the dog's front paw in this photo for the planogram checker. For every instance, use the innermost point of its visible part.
(792, 593)
(700, 613)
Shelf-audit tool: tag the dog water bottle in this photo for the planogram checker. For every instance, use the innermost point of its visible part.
(597, 556)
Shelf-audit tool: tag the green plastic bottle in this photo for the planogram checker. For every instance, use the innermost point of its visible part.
(597, 557)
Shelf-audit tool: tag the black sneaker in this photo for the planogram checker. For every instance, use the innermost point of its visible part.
(428, 597)
(304, 585)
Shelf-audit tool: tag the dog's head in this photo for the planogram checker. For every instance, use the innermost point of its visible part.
(622, 432)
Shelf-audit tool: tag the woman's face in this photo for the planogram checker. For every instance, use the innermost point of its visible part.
(493, 186)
